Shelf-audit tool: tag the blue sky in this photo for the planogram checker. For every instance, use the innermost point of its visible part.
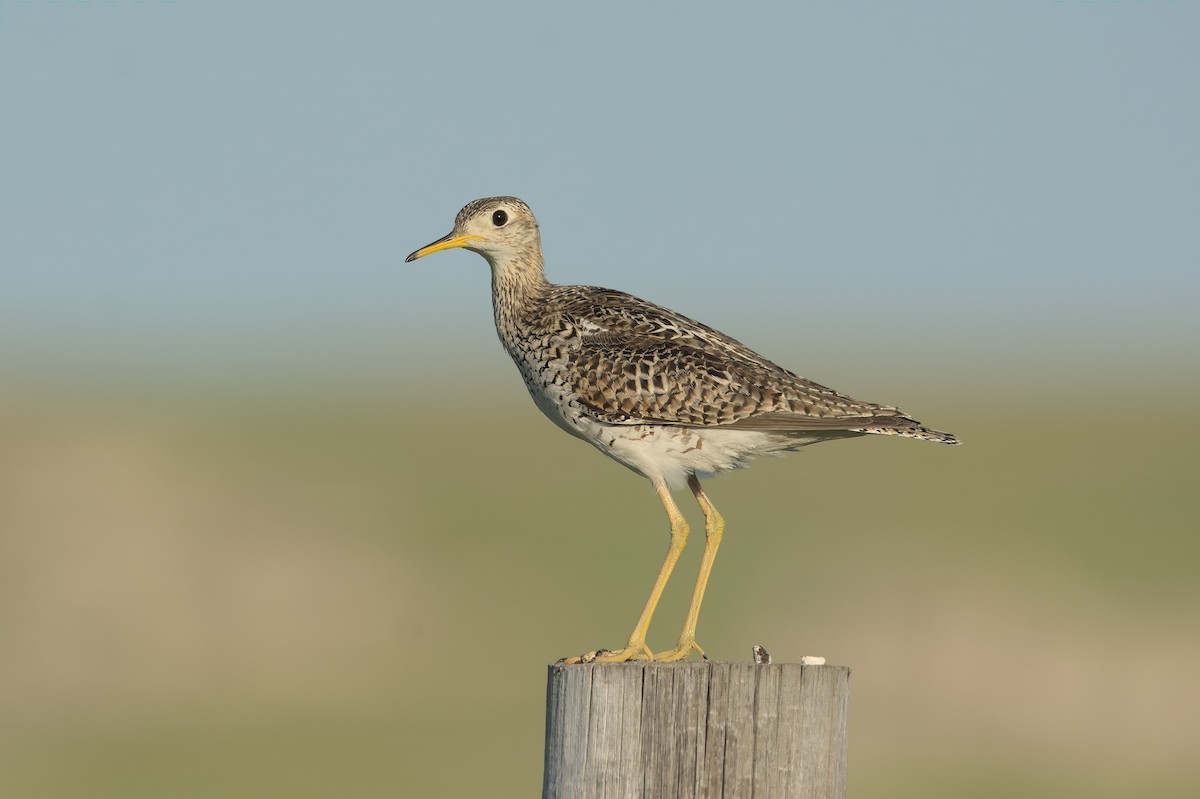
(217, 185)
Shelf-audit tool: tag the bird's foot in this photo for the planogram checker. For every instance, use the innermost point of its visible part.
(631, 652)
(685, 647)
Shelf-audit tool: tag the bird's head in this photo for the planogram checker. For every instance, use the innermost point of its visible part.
(498, 228)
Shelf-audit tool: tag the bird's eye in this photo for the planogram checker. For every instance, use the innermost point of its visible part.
(499, 218)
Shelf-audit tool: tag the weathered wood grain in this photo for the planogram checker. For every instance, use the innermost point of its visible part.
(712, 730)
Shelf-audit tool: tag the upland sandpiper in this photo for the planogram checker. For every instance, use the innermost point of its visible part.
(663, 394)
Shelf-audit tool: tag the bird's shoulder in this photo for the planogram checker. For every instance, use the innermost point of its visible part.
(607, 317)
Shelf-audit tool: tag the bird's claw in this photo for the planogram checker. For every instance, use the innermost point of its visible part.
(625, 655)
(680, 652)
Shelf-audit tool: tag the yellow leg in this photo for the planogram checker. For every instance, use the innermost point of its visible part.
(636, 648)
(714, 530)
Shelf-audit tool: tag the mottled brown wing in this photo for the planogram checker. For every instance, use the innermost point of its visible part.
(638, 362)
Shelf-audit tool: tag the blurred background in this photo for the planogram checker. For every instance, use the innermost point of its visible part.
(277, 517)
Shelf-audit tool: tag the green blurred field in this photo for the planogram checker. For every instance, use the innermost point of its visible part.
(287, 596)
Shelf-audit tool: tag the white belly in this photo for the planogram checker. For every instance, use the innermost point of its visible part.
(661, 452)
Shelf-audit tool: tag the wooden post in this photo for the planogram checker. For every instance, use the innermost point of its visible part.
(706, 729)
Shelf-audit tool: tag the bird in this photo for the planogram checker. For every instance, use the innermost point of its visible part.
(663, 394)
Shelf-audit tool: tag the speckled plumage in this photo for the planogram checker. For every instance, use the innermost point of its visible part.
(663, 394)
(632, 362)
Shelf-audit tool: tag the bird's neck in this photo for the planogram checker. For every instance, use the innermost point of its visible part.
(518, 286)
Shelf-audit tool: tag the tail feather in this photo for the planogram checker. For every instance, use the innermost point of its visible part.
(909, 428)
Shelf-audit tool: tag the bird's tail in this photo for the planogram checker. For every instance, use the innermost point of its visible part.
(909, 428)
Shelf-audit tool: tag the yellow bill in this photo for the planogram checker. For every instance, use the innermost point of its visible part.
(445, 243)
